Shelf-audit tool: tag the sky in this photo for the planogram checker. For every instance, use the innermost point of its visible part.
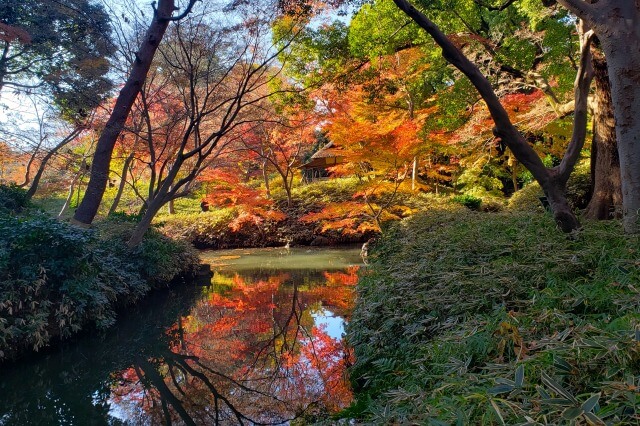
(19, 110)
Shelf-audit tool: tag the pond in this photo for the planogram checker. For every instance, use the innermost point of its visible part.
(261, 343)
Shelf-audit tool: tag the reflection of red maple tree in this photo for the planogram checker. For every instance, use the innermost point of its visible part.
(250, 352)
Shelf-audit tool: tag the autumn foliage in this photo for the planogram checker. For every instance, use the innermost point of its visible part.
(250, 350)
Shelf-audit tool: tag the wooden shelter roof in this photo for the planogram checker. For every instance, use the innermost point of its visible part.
(329, 150)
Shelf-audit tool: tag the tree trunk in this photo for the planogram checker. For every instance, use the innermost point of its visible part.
(617, 25)
(562, 212)
(72, 188)
(27, 171)
(36, 179)
(153, 207)
(414, 171)
(123, 182)
(605, 163)
(287, 190)
(621, 44)
(265, 176)
(142, 226)
(88, 208)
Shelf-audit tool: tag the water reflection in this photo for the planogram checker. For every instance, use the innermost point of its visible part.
(260, 345)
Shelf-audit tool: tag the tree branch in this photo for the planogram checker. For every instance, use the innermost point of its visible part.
(581, 9)
(186, 11)
(582, 83)
(500, 8)
(503, 126)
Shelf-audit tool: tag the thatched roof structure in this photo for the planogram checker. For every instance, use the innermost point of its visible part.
(327, 156)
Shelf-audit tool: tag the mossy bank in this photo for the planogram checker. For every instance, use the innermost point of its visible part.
(498, 318)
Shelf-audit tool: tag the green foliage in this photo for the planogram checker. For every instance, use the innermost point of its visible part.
(314, 51)
(326, 191)
(527, 199)
(124, 217)
(579, 185)
(374, 30)
(469, 318)
(468, 201)
(204, 229)
(63, 46)
(12, 198)
(56, 280)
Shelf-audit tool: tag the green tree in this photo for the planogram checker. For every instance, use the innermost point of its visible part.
(61, 47)
(553, 180)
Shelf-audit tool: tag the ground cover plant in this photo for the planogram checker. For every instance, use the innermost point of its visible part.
(474, 318)
(56, 279)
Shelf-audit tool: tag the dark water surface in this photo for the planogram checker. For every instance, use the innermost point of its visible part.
(260, 344)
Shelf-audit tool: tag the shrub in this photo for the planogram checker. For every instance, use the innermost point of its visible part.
(325, 191)
(12, 198)
(198, 228)
(579, 185)
(527, 199)
(56, 279)
(469, 318)
(469, 201)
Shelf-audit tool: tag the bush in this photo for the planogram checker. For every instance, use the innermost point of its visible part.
(12, 198)
(469, 201)
(202, 228)
(56, 280)
(579, 185)
(527, 199)
(469, 318)
(333, 190)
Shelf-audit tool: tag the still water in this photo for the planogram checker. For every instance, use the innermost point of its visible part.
(261, 343)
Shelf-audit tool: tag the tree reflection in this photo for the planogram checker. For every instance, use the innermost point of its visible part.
(248, 353)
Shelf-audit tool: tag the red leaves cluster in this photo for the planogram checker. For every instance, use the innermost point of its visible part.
(226, 189)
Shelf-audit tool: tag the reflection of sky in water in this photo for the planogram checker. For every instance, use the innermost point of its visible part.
(332, 324)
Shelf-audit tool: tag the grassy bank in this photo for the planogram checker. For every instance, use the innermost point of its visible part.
(241, 226)
(56, 279)
(497, 318)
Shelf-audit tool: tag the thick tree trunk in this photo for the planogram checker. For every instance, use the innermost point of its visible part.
(617, 25)
(88, 208)
(605, 164)
(621, 43)
(562, 212)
